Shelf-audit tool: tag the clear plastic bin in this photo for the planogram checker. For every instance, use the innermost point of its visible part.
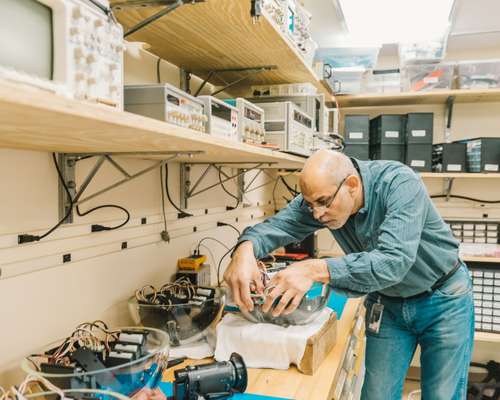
(482, 74)
(388, 81)
(427, 77)
(346, 80)
(344, 57)
(424, 52)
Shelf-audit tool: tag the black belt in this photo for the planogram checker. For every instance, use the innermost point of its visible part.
(440, 282)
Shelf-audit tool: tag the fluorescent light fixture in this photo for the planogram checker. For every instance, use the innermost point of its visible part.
(377, 22)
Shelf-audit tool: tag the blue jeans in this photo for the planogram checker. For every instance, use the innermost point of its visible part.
(442, 323)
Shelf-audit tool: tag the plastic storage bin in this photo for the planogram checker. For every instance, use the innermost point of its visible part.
(428, 77)
(423, 52)
(483, 74)
(345, 57)
(346, 80)
(383, 81)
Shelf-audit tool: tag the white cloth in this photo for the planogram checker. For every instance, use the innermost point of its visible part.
(196, 351)
(265, 345)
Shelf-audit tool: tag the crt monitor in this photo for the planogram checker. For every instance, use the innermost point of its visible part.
(26, 37)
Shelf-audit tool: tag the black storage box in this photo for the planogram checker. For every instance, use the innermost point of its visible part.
(483, 154)
(419, 128)
(387, 129)
(394, 152)
(449, 157)
(359, 151)
(356, 128)
(419, 157)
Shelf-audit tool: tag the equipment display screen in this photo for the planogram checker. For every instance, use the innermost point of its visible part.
(220, 111)
(253, 115)
(26, 38)
(302, 119)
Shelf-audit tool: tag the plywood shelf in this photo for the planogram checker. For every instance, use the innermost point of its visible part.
(487, 337)
(33, 119)
(467, 175)
(412, 98)
(481, 259)
(220, 35)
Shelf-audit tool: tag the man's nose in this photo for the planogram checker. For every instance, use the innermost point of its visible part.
(318, 213)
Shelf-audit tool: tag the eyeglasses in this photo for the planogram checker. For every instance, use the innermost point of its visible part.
(327, 202)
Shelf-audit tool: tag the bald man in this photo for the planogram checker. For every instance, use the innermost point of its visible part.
(399, 252)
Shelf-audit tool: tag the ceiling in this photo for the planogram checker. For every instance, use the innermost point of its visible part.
(475, 25)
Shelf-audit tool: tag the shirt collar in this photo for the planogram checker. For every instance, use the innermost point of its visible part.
(366, 180)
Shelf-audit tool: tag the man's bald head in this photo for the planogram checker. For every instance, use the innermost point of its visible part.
(325, 168)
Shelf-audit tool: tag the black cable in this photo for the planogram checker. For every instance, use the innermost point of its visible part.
(209, 238)
(225, 190)
(98, 227)
(274, 195)
(158, 78)
(292, 191)
(182, 213)
(33, 238)
(165, 236)
(95, 227)
(437, 196)
(220, 263)
(232, 226)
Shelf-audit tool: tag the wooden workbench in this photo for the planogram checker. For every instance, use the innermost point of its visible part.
(292, 384)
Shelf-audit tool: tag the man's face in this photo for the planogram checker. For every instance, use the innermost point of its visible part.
(330, 204)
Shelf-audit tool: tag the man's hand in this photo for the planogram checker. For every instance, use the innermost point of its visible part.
(242, 273)
(292, 284)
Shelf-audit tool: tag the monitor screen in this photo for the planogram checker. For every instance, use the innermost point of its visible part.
(26, 43)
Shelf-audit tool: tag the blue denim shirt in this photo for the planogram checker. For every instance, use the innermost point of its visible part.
(397, 244)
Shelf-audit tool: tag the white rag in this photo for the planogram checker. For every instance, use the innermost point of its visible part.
(265, 345)
(196, 351)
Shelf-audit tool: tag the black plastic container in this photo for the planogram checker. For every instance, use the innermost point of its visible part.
(387, 129)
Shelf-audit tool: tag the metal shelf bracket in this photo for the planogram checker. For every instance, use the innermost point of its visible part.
(191, 189)
(67, 165)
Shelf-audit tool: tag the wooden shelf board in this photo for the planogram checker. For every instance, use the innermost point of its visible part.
(481, 259)
(412, 98)
(218, 35)
(33, 119)
(469, 175)
(487, 337)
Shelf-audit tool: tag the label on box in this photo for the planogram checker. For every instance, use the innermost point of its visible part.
(419, 133)
(391, 134)
(355, 135)
(417, 163)
(454, 167)
(431, 79)
(491, 167)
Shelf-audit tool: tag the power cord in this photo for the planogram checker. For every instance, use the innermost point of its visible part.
(100, 228)
(228, 252)
(227, 191)
(438, 196)
(182, 214)
(25, 238)
(220, 263)
(292, 191)
(164, 234)
(197, 251)
(219, 223)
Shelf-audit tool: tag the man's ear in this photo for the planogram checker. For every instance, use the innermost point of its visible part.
(353, 183)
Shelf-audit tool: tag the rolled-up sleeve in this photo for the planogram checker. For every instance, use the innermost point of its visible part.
(397, 242)
(292, 224)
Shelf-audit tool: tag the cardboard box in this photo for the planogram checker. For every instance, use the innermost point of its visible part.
(319, 346)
